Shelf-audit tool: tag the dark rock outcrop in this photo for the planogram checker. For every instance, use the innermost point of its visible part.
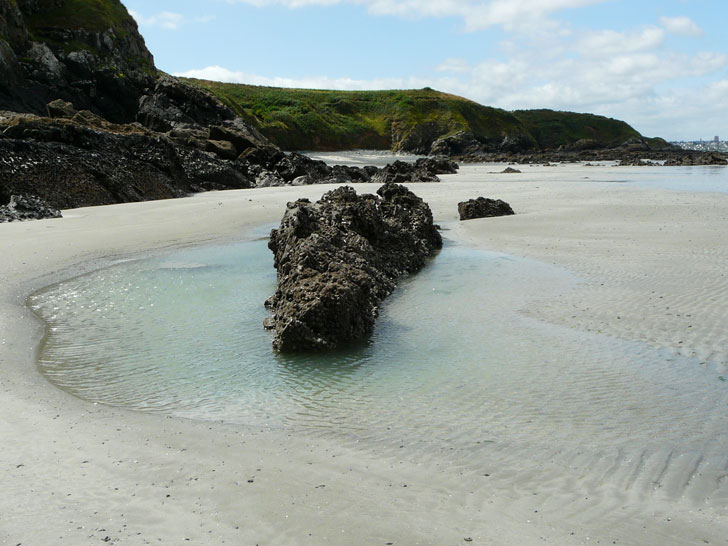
(87, 161)
(422, 170)
(56, 50)
(460, 144)
(338, 258)
(26, 207)
(690, 159)
(437, 165)
(483, 207)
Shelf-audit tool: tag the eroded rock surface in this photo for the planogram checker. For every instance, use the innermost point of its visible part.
(422, 170)
(338, 258)
(482, 207)
(26, 207)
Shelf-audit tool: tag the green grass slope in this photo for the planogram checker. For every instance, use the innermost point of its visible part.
(552, 129)
(303, 119)
(90, 15)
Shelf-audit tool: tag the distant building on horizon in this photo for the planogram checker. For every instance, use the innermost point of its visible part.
(716, 139)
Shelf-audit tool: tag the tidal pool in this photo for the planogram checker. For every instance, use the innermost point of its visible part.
(454, 368)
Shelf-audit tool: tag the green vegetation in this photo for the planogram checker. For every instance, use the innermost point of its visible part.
(91, 15)
(306, 119)
(552, 129)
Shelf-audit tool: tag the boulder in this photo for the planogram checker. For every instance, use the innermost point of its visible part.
(401, 172)
(172, 102)
(338, 258)
(294, 165)
(267, 179)
(60, 109)
(240, 133)
(437, 165)
(221, 148)
(483, 207)
(27, 207)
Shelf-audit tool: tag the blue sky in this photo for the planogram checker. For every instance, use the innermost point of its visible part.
(662, 66)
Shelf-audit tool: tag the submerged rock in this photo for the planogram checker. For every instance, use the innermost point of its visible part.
(483, 207)
(338, 258)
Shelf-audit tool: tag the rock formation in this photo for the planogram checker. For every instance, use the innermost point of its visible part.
(697, 158)
(338, 258)
(26, 207)
(422, 170)
(483, 207)
(92, 56)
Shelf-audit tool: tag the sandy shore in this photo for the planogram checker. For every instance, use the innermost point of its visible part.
(653, 266)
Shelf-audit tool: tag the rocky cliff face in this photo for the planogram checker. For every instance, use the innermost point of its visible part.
(91, 55)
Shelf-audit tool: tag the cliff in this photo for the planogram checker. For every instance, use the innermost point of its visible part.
(412, 121)
(88, 52)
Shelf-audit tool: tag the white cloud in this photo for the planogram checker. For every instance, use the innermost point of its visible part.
(681, 25)
(218, 73)
(458, 66)
(606, 43)
(477, 14)
(167, 19)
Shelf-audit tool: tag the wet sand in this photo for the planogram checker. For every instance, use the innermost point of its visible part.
(652, 265)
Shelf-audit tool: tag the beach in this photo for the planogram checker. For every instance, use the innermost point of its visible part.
(652, 269)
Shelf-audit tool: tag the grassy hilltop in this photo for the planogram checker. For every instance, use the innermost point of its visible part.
(303, 119)
(91, 15)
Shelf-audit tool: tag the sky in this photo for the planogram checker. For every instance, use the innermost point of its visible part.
(662, 66)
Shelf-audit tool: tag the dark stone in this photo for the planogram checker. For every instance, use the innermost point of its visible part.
(691, 159)
(293, 165)
(401, 172)
(483, 207)
(241, 134)
(459, 144)
(172, 102)
(222, 148)
(26, 207)
(70, 164)
(338, 258)
(105, 71)
(437, 165)
(510, 170)
(60, 109)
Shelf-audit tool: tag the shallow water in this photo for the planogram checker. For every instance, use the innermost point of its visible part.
(361, 158)
(453, 369)
(708, 178)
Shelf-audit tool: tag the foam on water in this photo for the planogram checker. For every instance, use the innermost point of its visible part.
(453, 368)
